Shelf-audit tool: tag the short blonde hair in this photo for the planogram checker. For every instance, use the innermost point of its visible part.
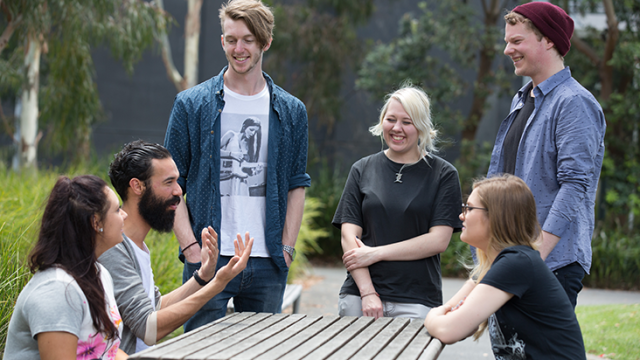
(512, 18)
(416, 103)
(254, 13)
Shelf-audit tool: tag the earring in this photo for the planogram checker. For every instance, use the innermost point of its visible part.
(101, 230)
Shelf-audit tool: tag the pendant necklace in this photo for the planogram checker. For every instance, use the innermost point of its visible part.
(399, 173)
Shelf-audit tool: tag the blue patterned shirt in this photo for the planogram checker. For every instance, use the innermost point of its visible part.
(560, 157)
(193, 138)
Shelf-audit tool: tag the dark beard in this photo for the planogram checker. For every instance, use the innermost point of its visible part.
(154, 211)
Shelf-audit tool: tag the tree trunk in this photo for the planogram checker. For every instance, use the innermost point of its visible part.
(192, 42)
(29, 117)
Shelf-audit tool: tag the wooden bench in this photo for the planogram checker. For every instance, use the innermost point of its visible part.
(291, 297)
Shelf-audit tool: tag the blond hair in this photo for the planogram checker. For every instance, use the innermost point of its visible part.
(512, 217)
(256, 15)
(416, 103)
(512, 18)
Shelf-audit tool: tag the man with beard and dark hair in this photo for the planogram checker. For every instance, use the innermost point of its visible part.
(145, 177)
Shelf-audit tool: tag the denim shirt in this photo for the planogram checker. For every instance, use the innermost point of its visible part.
(560, 157)
(193, 138)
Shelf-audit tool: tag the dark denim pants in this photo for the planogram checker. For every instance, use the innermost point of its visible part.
(570, 277)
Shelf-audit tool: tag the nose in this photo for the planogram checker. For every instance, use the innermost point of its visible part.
(177, 190)
(461, 216)
(239, 46)
(507, 49)
(397, 126)
(124, 214)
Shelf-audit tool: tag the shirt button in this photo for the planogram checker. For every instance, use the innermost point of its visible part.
(210, 156)
(219, 110)
(211, 132)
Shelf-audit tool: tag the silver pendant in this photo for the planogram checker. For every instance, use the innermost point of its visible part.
(398, 178)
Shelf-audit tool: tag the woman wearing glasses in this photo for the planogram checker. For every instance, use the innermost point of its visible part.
(511, 291)
(397, 212)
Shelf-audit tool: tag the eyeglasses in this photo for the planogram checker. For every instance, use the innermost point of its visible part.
(466, 208)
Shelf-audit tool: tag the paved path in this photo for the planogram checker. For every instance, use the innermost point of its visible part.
(320, 297)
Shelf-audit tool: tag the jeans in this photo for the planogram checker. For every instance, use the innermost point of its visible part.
(570, 277)
(351, 305)
(258, 288)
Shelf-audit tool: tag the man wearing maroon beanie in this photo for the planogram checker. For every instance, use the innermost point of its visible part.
(553, 138)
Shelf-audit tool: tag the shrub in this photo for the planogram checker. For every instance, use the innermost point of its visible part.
(615, 261)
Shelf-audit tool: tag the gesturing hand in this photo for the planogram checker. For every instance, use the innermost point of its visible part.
(239, 261)
(359, 257)
(209, 253)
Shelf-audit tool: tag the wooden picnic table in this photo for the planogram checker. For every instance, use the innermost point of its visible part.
(266, 336)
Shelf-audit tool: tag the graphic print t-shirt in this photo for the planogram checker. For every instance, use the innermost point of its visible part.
(243, 169)
(538, 322)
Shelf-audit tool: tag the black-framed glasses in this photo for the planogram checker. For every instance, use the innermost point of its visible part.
(466, 208)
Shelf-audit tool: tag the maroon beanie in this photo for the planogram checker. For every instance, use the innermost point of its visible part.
(552, 21)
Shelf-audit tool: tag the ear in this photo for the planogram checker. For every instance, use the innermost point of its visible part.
(268, 45)
(548, 44)
(137, 186)
(95, 223)
(222, 40)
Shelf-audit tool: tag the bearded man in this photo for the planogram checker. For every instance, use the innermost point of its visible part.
(146, 178)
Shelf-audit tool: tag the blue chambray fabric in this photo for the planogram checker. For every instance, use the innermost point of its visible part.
(193, 138)
(560, 157)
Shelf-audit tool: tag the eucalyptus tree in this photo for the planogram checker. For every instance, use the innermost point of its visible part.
(49, 63)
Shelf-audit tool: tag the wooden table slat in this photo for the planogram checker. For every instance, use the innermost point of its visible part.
(320, 339)
(272, 339)
(257, 337)
(433, 350)
(361, 339)
(416, 346)
(185, 340)
(296, 341)
(399, 343)
(384, 337)
(231, 336)
(338, 341)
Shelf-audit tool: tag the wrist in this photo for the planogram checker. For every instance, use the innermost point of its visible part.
(192, 254)
(200, 280)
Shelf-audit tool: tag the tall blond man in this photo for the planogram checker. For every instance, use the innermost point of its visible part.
(240, 144)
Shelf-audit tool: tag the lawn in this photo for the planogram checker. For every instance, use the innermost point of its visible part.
(611, 330)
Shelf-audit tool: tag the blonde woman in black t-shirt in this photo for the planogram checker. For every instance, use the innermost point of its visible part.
(396, 215)
(511, 291)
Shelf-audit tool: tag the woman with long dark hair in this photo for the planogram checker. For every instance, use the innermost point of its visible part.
(510, 291)
(68, 310)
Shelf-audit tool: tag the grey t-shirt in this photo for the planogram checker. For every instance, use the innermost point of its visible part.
(52, 301)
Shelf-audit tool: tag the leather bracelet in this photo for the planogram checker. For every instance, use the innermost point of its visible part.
(373, 293)
(199, 280)
(188, 246)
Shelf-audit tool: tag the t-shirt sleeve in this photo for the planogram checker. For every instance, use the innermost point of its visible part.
(446, 206)
(510, 272)
(55, 306)
(349, 208)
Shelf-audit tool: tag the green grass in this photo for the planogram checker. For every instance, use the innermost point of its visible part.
(611, 330)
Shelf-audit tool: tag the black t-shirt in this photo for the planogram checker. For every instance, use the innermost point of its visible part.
(538, 322)
(390, 212)
(512, 140)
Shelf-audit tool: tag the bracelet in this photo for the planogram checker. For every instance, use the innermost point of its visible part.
(373, 293)
(198, 279)
(188, 246)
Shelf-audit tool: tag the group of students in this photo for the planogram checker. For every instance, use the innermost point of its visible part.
(397, 213)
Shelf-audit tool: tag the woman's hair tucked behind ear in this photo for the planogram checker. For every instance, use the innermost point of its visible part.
(511, 212)
(67, 239)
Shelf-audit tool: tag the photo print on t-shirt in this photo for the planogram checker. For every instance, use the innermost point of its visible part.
(243, 155)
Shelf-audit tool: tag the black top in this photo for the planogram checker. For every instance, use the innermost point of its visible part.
(512, 140)
(390, 212)
(538, 322)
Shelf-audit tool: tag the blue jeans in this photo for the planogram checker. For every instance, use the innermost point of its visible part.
(570, 277)
(259, 288)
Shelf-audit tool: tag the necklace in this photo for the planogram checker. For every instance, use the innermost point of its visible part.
(399, 173)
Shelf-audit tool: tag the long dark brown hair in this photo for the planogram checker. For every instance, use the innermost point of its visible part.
(67, 239)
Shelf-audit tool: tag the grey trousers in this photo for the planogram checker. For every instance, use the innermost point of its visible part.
(351, 305)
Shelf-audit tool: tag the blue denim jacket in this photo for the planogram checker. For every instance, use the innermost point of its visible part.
(193, 138)
(560, 157)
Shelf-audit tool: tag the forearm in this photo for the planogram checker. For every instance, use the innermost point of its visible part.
(293, 220)
(361, 276)
(173, 316)
(188, 288)
(432, 243)
(184, 233)
(548, 242)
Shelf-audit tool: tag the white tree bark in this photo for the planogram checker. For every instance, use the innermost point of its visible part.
(29, 117)
(192, 42)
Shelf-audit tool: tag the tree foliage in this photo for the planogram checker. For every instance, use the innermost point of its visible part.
(314, 45)
(67, 31)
